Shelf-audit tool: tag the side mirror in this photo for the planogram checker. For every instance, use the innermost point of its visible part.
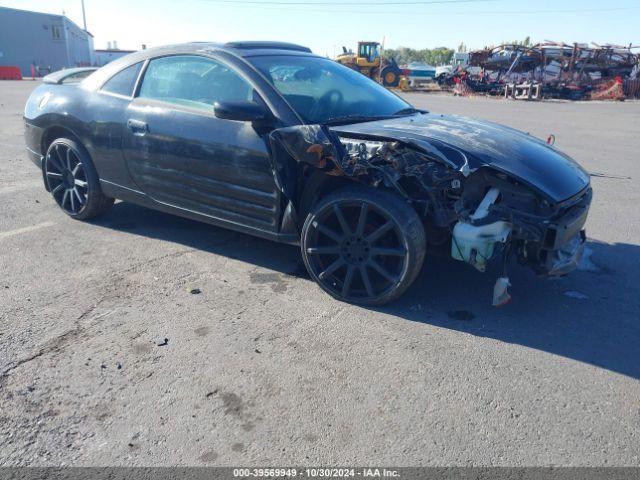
(240, 111)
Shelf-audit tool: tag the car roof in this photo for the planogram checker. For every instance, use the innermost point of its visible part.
(241, 49)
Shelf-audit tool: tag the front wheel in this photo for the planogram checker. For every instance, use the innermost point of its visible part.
(363, 246)
(73, 181)
(390, 76)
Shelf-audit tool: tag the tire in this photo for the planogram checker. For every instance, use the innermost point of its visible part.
(363, 246)
(390, 76)
(72, 180)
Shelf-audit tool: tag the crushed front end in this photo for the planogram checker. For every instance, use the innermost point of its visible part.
(546, 236)
(481, 214)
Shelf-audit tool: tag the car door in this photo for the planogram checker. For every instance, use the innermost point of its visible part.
(180, 154)
(104, 120)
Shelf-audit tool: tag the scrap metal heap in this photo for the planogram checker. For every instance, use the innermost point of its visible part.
(551, 70)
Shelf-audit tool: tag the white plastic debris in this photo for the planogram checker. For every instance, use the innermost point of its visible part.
(475, 244)
(586, 264)
(488, 200)
(500, 292)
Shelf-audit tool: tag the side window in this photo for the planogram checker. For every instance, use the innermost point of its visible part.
(193, 81)
(124, 81)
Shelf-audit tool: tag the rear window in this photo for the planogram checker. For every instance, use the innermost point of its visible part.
(123, 82)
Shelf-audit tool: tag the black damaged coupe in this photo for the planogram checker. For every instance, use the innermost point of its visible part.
(269, 139)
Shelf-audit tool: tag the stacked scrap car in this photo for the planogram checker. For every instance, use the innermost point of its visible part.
(561, 70)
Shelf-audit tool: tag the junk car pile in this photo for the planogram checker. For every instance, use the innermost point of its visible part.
(550, 70)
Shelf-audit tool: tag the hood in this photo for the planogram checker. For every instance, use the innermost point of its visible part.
(515, 153)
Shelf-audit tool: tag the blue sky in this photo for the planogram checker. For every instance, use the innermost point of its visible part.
(327, 26)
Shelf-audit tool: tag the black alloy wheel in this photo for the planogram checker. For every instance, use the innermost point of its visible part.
(72, 181)
(363, 246)
(66, 178)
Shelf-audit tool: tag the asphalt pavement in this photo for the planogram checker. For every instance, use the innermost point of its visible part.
(146, 339)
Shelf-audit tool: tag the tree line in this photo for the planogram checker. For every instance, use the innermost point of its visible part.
(434, 56)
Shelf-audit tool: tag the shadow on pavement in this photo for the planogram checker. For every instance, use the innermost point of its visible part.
(591, 316)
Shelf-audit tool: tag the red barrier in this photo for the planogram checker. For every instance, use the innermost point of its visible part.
(608, 90)
(10, 73)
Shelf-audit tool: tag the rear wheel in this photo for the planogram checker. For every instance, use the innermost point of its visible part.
(73, 181)
(363, 246)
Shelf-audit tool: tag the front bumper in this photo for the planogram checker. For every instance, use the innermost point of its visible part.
(566, 259)
(563, 241)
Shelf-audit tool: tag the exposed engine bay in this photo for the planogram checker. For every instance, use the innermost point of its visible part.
(486, 215)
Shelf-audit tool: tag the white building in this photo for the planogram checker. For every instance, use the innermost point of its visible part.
(102, 57)
(49, 42)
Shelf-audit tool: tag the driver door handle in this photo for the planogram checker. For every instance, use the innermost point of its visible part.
(137, 127)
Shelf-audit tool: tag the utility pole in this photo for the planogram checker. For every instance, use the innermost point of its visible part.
(84, 17)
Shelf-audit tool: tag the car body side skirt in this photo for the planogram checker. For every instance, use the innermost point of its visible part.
(140, 198)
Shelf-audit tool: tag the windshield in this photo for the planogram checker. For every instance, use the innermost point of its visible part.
(321, 90)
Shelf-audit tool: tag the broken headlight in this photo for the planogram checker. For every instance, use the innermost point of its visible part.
(362, 149)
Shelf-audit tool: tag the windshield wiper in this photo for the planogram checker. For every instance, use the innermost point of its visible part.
(371, 118)
(409, 111)
(355, 119)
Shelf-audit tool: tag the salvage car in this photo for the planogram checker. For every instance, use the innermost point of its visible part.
(271, 140)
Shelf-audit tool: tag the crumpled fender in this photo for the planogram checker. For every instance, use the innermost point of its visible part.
(312, 145)
(319, 147)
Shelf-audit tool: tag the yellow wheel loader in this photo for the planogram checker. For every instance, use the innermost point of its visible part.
(368, 61)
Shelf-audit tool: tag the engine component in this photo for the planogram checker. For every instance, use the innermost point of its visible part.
(475, 244)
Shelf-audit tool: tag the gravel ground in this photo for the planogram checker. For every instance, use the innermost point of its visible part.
(109, 357)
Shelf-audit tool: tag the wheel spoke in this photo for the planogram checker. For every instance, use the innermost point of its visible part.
(380, 231)
(54, 184)
(57, 189)
(362, 220)
(336, 237)
(69, 153)
(331, 268)
(388, 252)
(54, 175)
(366, 280)
(378, 268)
(55, 161)
(347, 280)
(323, 250)
(343, 222)
(76, 169)
(64, 198)
(80, 183)
(72, 199)
(61, 158)
(78, 196)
